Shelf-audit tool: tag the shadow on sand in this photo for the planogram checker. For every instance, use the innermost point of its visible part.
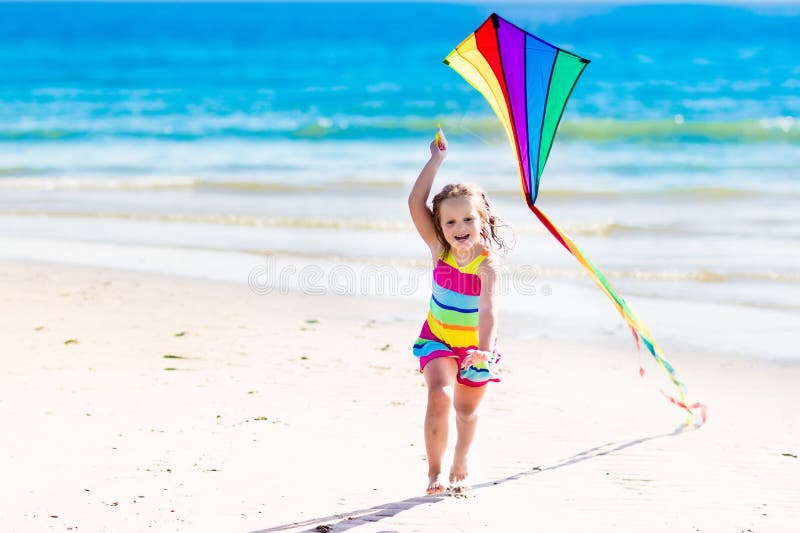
(359, 517)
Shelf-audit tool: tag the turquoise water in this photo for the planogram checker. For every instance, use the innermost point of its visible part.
(214, 92)
(83, 73)
(186, 71)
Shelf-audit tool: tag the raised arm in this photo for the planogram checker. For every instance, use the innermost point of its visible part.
(418, 198)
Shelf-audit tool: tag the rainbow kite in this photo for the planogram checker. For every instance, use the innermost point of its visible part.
(527, 82)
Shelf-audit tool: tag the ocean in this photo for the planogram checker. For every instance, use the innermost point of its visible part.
(212, 139)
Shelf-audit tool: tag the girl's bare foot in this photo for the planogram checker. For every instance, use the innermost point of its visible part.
(434, 485)
(458, 472)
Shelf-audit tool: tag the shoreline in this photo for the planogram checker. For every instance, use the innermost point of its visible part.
(559, 307)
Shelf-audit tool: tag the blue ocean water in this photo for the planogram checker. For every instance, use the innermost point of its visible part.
(132, 135)
(353, 71)
(177, 92)
(186, 93)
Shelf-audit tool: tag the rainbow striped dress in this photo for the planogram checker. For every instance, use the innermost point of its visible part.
(452, 324)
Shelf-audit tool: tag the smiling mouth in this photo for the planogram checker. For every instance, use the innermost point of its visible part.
(461, 238)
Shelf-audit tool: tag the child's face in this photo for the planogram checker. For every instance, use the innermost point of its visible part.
(461, 223)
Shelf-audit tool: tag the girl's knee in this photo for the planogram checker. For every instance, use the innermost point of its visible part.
(466, 412)
(438, 399)
(467, 401)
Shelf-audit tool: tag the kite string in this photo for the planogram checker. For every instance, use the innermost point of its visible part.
(638, 329)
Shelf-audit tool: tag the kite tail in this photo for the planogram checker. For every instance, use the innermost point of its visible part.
(638, 329)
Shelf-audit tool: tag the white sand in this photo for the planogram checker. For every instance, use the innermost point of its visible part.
(288, 412)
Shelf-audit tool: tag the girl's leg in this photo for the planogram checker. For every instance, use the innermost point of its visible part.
(439, 374)
(467, 399)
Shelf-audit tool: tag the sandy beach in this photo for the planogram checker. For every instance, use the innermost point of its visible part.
(138, 402)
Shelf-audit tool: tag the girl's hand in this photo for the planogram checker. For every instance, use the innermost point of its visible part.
(476, 356)
(439, 146)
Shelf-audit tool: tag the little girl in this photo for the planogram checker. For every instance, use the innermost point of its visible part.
(456, 347)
